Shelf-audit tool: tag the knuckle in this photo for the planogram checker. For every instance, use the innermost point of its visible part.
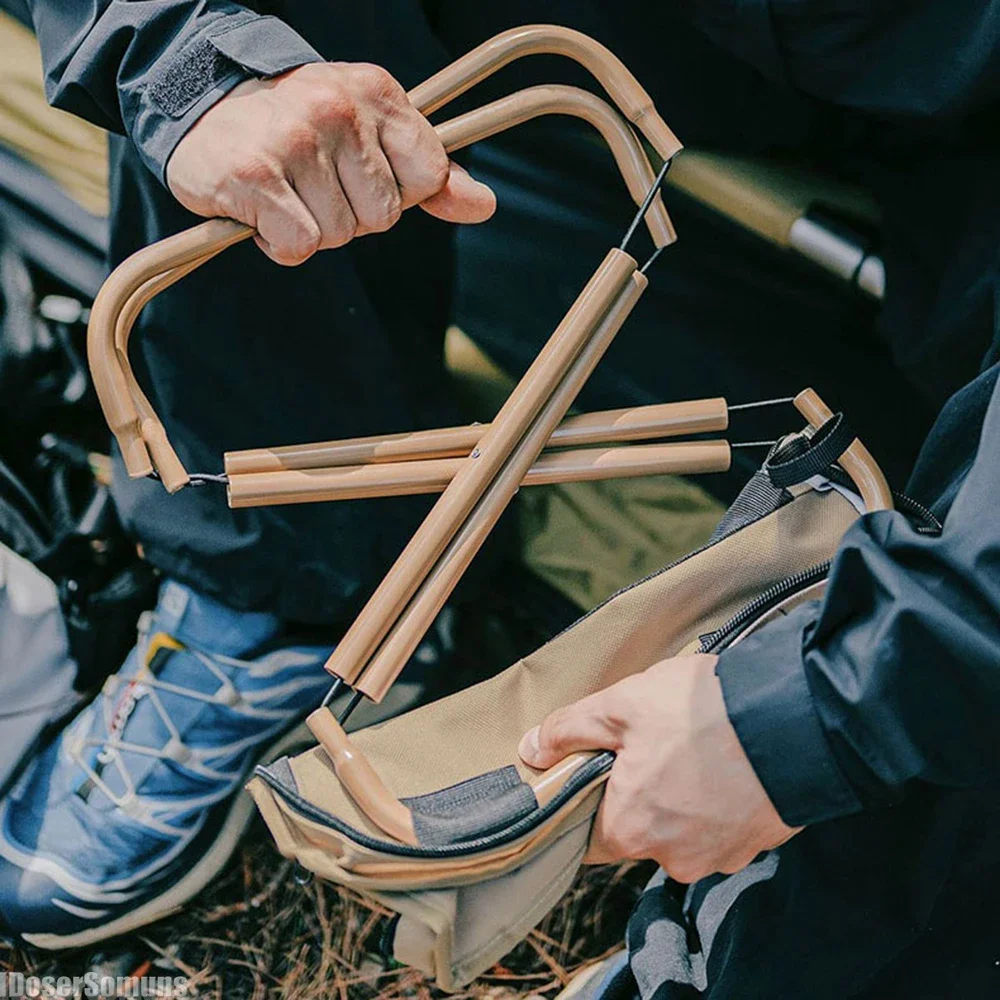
(424, 164)
(302, 244)
(258, 173)
(735, 864)
(622, 703)
(233, 204)
(347, 115)
(681, 873)
(437, 168)
(309, 243)
(685, 870)
(630, 839)
(616, 710)
(383, 223)
(554, 730)
(341, 232)
(292, 256)
(333, 110)
(376, 80)
(386, 215)
(284, 255)
(342, 236)
(302, 141)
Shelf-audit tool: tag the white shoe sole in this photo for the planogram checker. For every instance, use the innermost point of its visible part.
(211, 863)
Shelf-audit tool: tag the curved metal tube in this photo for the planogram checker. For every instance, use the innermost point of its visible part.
(550, 39)
(161, 452)
(558, 99)
(397, 479)
(857, 460)
(114, 382)
(139, 433)
(373, 797)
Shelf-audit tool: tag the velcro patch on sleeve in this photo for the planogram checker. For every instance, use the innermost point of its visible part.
(196, 70)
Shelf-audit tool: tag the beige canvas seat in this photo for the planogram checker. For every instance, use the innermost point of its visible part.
(491, 860)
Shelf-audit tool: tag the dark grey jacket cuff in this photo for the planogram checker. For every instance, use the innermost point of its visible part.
(771, 707)
(203, 69)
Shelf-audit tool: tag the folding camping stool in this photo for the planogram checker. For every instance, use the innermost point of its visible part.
(432, 812)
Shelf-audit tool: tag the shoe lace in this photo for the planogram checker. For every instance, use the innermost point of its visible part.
(145, 684)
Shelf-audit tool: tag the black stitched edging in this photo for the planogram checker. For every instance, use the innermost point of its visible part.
(591, 770)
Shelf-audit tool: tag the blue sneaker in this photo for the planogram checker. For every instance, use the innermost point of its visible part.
(137, 805)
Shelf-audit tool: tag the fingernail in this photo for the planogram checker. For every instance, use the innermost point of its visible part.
(528, 748)
(488, 191)
(470, 183)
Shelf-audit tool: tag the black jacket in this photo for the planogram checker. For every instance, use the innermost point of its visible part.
(895, 679)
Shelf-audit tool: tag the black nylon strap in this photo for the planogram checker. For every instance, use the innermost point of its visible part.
(825, 446)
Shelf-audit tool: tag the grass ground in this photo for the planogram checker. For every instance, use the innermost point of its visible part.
(260, 933)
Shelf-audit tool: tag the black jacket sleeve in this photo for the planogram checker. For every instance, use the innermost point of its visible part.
(914, 59)
(150, 69)
(895, 677)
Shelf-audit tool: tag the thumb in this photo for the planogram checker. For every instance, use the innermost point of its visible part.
(584, 725)
(462, 199)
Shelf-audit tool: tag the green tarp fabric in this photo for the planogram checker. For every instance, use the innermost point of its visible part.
(71, 151)
(588, 540)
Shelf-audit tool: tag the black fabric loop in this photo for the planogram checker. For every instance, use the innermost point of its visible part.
(825, 446)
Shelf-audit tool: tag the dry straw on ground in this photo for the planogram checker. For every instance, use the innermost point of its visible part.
(261, 933)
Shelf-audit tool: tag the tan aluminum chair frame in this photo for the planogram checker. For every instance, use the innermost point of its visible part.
(426, 461)
(144, 275)
(481, 484)
(407, 478)
(635, 423)
(140, 435)
(563, 364)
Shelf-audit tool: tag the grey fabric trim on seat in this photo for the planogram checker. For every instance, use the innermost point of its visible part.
(471, 808)
(757, 499)
(282, 770)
